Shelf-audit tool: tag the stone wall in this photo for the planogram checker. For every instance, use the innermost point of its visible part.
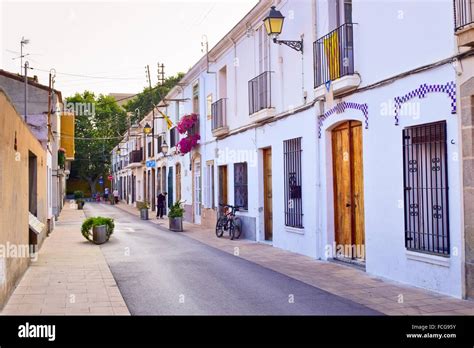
(467, 129)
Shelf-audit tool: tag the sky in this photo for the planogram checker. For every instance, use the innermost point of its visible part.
(109, 42)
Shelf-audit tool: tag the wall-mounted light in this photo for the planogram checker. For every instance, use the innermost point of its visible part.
(147, 129)
(164, 148)
(274, 26)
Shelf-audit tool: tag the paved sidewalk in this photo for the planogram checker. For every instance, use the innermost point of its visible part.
(70, 277)
(389, 297)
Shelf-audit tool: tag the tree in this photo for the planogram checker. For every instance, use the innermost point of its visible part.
(96, 135)
(145, 100)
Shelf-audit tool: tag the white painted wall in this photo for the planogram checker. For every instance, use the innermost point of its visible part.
(383, 183)
(389, 38)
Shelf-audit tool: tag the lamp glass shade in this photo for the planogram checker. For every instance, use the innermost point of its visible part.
(147, 129)
(274, 22)
(164, 148)
(118, 152)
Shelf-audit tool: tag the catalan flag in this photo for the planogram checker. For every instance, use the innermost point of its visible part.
(331, 47)
(167, 119)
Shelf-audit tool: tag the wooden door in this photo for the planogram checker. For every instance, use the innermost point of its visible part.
(197, 192)
(267, 193)
(178, 182)
(153, 191)
(223, 185)
(348, 189)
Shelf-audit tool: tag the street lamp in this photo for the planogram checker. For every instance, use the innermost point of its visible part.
(119, 151)
(274, 26)
(147, 129)
(164, 148)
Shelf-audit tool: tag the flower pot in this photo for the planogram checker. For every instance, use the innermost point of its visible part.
(176, 224)
(80, 205)
(99, 234)
(144, 214)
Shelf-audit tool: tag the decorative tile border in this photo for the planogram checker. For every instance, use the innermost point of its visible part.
(340, 108)
(421, 92)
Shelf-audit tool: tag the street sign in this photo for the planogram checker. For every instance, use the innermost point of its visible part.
(101, 181)
(110, 177)
(151, 164)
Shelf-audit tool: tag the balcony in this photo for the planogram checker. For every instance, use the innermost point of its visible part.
(464, 22)
(334, 61)
(219, 118)
(136, 158)
(260, 97)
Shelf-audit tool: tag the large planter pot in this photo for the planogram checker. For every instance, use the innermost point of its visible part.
(176, 224)
(144, 214)
(99, 234)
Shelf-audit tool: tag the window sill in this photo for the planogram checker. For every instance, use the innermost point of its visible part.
(443, 261)
(294, 230)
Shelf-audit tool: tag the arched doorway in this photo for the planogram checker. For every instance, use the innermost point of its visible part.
(348, 190)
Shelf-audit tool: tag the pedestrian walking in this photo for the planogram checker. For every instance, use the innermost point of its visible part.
(116, 196)
(106, 194)
(161, 205)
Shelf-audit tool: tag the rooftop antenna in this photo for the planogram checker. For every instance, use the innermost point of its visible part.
(205, 49)
(23, 42)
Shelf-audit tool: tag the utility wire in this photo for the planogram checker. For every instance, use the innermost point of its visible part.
(89, 76)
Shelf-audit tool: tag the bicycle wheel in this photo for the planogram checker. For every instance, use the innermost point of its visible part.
(231, 230)
(220, 225)
(237, 227)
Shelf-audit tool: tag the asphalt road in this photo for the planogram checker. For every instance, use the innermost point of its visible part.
(166, 273)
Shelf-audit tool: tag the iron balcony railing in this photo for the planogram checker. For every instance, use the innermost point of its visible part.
(136, 156)
(260, 92)
(334, 55)
(463, 13)
(219, 113)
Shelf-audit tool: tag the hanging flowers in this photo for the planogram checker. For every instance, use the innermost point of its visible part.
(185, 145)
(189, 125)
(187, 122)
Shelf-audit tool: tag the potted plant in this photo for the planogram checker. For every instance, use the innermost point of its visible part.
(143, 207)
(102, 228)
(61, 158)
(79, 197)
(175, 216)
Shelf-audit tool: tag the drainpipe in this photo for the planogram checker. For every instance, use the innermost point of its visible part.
(319, 110)
(235, 76)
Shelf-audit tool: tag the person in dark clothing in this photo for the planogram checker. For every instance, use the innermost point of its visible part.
(161, 205)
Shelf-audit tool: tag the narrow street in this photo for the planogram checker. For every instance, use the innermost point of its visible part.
(161, 273)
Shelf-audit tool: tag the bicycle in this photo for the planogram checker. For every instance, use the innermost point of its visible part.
(229, 222)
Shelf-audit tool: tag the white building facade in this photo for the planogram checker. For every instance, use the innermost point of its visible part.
(348, 150)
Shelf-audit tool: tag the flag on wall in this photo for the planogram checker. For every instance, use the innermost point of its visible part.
(167, 119)
(331, 48)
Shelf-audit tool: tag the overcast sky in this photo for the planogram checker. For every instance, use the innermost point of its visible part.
(112, 38)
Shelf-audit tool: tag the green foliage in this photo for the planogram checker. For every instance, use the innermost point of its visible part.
(143, 205)
(91, 222)
(144, 101)
(176, 210)
(109, 121)
(78, 194)
(61, 159)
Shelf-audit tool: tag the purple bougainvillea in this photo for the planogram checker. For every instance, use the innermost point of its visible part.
(185, 145)
(187, 122)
